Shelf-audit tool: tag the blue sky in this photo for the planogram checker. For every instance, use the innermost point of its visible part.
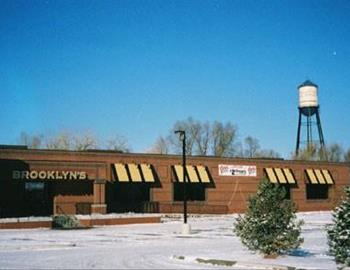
(136, 67)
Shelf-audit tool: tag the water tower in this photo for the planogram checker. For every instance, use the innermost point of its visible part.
(309, 115)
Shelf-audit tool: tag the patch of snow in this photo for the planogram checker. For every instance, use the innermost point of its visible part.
(153, 246)
(113, 216)
(25, 219)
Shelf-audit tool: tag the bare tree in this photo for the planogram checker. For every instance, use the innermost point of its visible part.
(191, 128)
(311, 152)
(334, 152)
(32, 141)
(347, 156)
(239, 150)
(66, 140)
(223, 139)
(252, 147)
(268, 153)
(62, 141)
(161, 146)
(207, 138)
(84, 141)
(118, 143)
(202, 139)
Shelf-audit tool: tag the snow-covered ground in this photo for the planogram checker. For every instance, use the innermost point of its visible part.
(157, 246)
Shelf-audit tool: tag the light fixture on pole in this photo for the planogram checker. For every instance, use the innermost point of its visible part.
(186, 227)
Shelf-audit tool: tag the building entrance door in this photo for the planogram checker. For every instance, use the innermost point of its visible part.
(37, 199)
(127, 197)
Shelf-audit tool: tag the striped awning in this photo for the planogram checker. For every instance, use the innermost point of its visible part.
(280, 175)
(318, 176)
(135, 173)
(194, 174)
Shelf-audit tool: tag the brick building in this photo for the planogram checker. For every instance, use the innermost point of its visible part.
(46, 182)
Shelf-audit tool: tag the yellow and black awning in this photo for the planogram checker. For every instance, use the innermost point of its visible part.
(135, 173)
(147, 173)
(121, 173)
(280, 175)
(318, 176)
(194, 174)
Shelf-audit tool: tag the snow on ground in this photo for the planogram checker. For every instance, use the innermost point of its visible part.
(157, 246)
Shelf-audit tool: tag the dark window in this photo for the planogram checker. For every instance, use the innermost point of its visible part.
(37, 200)
(316, 192)
(132, 192)
(127, 197)
(286, 188)
(194, 192)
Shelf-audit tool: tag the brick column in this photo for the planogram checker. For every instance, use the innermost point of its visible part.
(99, 206)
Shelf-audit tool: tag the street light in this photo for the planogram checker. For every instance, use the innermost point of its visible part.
(186, 227)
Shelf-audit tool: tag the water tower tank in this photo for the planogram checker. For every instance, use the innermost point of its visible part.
(309, 110)
(308, 101)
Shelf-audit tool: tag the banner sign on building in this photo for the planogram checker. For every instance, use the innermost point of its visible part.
(237, 170)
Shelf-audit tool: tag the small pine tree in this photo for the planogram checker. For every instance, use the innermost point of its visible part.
(269, 224)
(339, 232)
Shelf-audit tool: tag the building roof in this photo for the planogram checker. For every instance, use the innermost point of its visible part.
(308, 83)
(8, 146)
(98, 156)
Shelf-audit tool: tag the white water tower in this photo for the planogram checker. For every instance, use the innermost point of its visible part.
(309, 107)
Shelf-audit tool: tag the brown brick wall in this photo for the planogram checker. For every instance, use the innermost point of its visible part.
(68, 205)
(83, 222)
(227, 194)
(26, 225)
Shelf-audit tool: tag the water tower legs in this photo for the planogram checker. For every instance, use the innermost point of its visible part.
(298, 134)
(309, 123)
(320, 133)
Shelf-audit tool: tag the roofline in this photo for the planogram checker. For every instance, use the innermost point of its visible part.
(308, 83)
(165, 156)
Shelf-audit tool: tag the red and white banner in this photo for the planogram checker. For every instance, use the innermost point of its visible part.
(237, 170)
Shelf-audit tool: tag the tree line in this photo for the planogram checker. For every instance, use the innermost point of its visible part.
(202, 138)
(333, 152)
(210, 138)
(221, 139)
(66, 140)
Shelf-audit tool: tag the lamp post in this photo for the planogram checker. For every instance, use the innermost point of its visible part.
(186, 228)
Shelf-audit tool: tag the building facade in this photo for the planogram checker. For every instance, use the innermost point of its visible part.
(47, 182)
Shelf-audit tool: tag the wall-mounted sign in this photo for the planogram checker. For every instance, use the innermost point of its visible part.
(30, 186)
(49, 175)
(237, 170)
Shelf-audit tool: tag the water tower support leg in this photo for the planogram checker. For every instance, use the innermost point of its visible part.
(309, 130)
(298, 135)
(320, 133)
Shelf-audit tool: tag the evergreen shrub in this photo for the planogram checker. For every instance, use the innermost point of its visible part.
(339, 232)
(269, 224)
(65, 222)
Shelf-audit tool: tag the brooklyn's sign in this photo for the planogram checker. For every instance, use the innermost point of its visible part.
(49, 175)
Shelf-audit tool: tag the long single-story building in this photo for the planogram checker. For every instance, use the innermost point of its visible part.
(48, 182)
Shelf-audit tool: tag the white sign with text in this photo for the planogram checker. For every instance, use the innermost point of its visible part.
(237, 170)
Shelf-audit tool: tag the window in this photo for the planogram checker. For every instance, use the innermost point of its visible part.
(130, 192)
(194, 192)
(127, 197)
(316, 192)
(287, 189)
